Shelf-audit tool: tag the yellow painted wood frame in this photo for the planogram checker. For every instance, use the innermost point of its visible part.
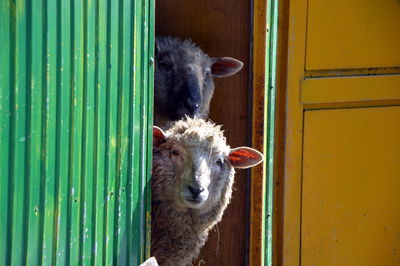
(353, 91)
(290, 176)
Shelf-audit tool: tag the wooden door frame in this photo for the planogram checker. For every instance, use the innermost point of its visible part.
(264, 63)
(288, 140)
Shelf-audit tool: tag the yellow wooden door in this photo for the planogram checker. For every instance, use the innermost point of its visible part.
(341, 173)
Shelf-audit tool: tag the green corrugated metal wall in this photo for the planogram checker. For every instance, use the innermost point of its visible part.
(75, 112)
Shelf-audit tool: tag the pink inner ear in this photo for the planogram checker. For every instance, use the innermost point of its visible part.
(221, 66)
(245, 157)
(245, 153)
(225, 66)
(158, 136)
(241, 155)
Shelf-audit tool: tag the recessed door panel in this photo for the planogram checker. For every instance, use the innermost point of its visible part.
(352, 34)
(351, 187)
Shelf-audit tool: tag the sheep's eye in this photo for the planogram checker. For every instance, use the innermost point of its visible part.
(175, 153)
(207, 73)
(220, 162)
(165, 65)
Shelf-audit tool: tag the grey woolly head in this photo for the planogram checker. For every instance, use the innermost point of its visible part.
(183, 79)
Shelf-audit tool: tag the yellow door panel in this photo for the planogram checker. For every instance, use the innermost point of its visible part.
(351, 187)
(350, 89)
(353, 34)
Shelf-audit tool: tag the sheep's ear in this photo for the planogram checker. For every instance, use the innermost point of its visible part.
(157, 48)
(245, 157)
(158, 136)
(225, 66)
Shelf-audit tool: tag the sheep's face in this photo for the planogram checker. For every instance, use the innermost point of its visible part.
(183, 78)
(201, 163)
(201, 175)
(182, 82)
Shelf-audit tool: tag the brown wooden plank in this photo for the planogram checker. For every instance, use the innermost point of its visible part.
(258, 182)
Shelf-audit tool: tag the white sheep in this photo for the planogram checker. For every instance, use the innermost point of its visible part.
(193, 172)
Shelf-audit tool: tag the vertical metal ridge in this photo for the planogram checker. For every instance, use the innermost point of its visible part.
(135, 187)
(272, 20)
(107, 135)
(11, 151)
(76, 185)
(63, 116)
(144, 190)
(100, 134)
(71, 136)
(32, 254)
(83, 142)
(142, 123)
(87, 130)
(50, 125)
(44, 133)
(18, 140)
(149, 125)
(58, 135)
(129, 219)
(28, 130)
(96, 132)
(119, 131)
(5, 108)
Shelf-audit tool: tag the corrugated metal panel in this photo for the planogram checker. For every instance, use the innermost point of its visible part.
(75, 112)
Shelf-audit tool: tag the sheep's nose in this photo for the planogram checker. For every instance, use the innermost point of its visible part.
(195, 190)
(192, 105)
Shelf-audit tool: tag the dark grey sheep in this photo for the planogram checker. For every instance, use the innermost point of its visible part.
(183, 79)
